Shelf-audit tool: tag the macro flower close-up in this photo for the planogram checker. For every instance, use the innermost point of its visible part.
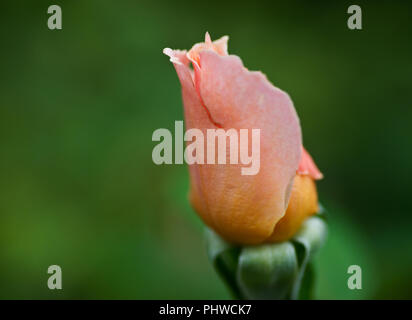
(271, 204)
(205, 158)
(221, 93)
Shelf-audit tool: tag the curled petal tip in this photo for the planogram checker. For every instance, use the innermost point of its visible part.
(173, 58)
(168, 51)
(176, 56)
(208, 40)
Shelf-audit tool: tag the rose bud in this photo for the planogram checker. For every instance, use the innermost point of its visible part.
(220, 92)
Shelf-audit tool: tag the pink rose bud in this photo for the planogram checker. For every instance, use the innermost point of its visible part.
(220, 93)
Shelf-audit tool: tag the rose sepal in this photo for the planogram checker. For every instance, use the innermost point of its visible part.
(282, 270)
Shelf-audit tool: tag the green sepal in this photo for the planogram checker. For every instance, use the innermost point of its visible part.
(269, 271)
(307, 242)
(224, 257)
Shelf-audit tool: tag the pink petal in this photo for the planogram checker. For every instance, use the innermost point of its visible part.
(308, 167)
(224, 93)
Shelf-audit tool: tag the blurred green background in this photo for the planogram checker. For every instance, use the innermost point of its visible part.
(78, 107)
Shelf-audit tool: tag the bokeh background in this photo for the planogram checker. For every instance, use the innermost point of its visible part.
(78, 107)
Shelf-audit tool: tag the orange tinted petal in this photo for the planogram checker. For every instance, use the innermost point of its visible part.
(302, 204)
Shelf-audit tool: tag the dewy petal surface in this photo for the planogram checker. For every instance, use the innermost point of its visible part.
(223, 93)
